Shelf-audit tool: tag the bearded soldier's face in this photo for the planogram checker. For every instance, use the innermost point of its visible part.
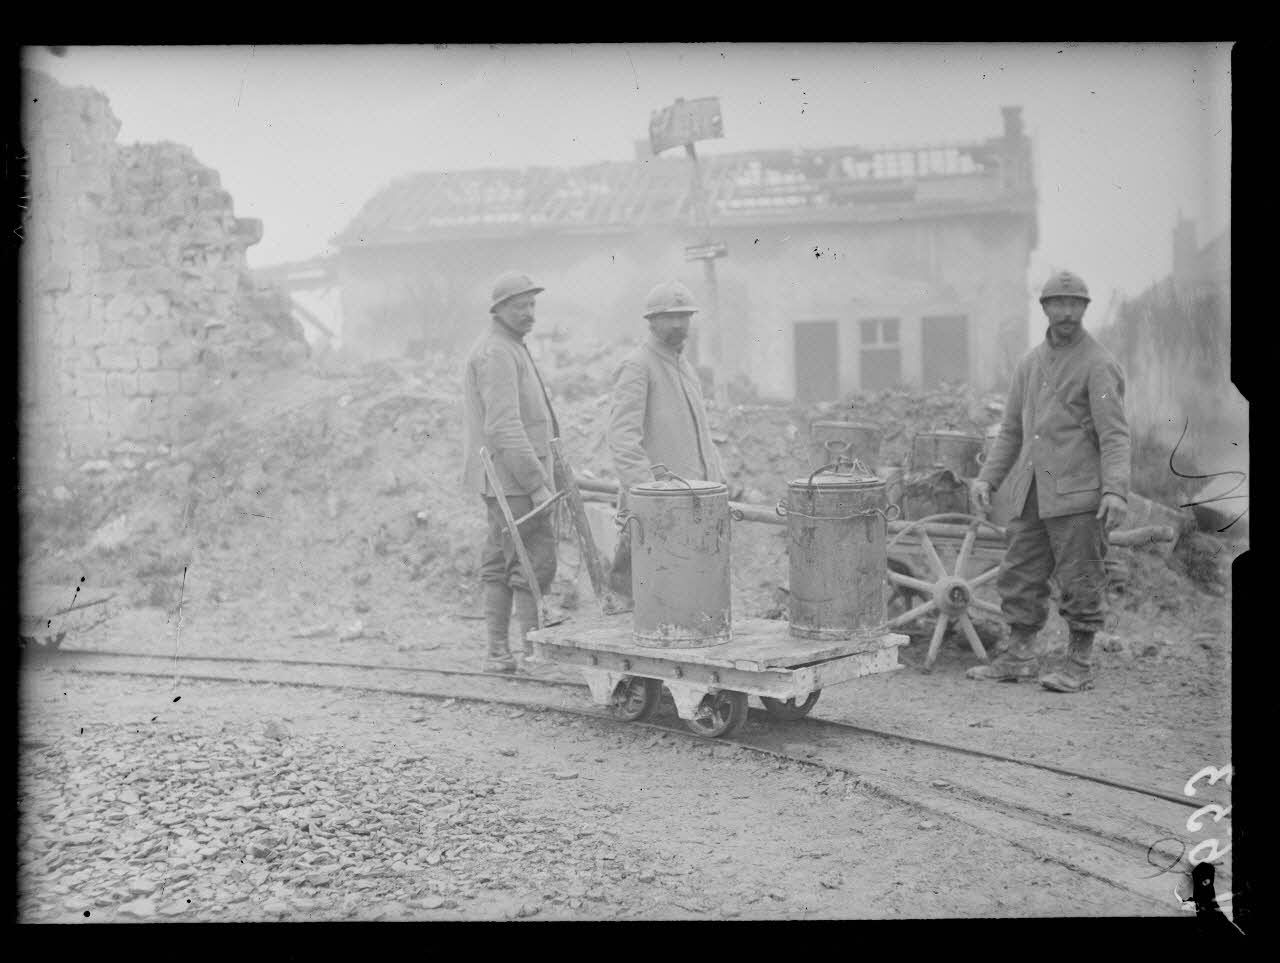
(672, 329)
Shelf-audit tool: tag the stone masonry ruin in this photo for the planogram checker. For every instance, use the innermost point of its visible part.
(136, 296)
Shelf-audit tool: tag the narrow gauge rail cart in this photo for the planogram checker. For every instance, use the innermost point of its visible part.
(710, 684)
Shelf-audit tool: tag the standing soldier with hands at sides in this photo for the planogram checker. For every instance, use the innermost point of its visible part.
(1064, 451)
(658, 415)
(507, 410)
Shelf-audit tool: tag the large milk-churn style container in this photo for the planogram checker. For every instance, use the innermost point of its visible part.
(958, 451)
(836, 525)
(680, 562)
(831, 441)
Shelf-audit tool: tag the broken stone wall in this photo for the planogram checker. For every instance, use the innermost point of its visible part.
(135, 291)
(1175, 346)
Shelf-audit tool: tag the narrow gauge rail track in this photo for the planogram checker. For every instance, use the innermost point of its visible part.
(1107, 834)
(567, 684)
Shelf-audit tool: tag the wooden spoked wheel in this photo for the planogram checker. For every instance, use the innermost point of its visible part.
(789, 711)
(635, 699)
(950, 595)
(901, 598)
(719, 714)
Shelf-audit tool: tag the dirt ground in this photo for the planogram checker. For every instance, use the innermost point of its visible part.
(319, 516)
(255, 803)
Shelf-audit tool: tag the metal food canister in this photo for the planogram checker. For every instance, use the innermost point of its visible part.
(680, 562)
(836, 525)
(830, 441)
(957, 451)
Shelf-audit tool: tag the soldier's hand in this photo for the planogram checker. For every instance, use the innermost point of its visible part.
(982, 496)
(1112, 512)
(542, 494)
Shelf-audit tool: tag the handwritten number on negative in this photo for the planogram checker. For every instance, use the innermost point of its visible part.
(1213, 774)
(1193, 821)
(1215, 852)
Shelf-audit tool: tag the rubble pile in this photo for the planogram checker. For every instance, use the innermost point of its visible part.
(337, 485)
(765, 446)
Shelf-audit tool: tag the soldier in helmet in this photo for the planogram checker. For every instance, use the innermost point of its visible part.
(1064, 450)
(508, 411)
(658, 415)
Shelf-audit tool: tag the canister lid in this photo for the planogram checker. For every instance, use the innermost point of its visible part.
(844, 475)
(679, 486)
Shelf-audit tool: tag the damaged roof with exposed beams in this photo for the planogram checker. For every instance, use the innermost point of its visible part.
(753, 187)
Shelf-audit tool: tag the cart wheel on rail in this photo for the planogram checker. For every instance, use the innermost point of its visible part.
(788, 711)
(719, 714)
(635, 698)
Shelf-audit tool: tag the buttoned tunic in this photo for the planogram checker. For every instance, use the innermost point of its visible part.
(1064, 430)
(658, 416)
(506, 409)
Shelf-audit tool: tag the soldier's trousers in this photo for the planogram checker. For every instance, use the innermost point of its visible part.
(1071, 550)
(498, 559)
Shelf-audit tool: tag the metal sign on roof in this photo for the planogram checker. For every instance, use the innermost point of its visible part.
(684, 122)
(706, 252)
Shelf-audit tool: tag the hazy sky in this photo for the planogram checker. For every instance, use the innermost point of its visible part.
(1125, 134)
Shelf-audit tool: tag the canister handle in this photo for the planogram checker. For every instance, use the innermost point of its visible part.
(666, 473)
(819, 471)
(841, 463)
(625, 518)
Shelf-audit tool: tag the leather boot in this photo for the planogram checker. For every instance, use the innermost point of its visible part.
(1019, 661)
(526, 617)
(1077, 674)
(497, 615)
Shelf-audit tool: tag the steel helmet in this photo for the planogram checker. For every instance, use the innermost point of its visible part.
(669, 297)
(1064, 284)
(512, 285)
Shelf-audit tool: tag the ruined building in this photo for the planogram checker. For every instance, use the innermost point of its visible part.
(847, 268)
(135, 294)
(1174, 340)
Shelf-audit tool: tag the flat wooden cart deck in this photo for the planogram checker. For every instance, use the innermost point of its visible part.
(710, 684)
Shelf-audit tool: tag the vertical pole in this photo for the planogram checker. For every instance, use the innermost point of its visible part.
(711, 315)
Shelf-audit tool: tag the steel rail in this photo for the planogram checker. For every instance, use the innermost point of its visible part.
(860, 781)
(560, 683)
(999, 757)
(393, 667)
